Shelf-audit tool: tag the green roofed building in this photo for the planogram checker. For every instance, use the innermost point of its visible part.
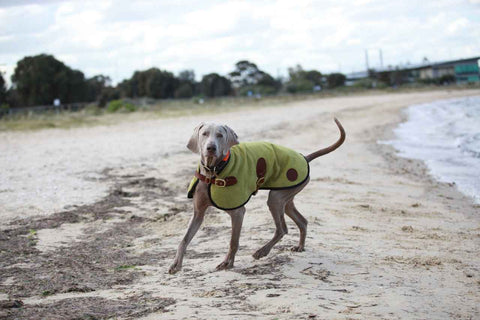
(454, 71)
(467, 72)
(463, 71)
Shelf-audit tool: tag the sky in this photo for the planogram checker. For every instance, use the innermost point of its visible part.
(117, 37)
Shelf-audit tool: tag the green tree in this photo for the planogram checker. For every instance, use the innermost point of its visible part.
(295, 73)
(41, 79)
(95, 86)
(297, 81)
(335, 80)
(126, 88)
(3, 90)
(245, 73)
(185, 90)
(108, 94)
(315, 76)
(301, 80)
(248, 77)
(187, 76)
(153, 83)
(13, 98)
(382, 77)
(187, 84)
(76, 86)
(214, 85)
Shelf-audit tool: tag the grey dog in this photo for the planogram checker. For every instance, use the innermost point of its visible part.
(213, 142)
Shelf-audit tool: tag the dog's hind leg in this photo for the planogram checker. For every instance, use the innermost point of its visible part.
(276, 203)
(301, 223)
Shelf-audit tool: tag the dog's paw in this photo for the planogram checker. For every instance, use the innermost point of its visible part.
(260, 253)
(227, 264)
(297, 249)
(174, 268)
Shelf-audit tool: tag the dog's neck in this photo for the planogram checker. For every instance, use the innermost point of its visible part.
(212, 171)
(207, 171)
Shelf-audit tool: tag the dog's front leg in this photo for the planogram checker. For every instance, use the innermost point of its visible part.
(194, 225)
(237, 220)
(200, 207)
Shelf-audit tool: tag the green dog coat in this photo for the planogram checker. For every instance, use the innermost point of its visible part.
(255, 165)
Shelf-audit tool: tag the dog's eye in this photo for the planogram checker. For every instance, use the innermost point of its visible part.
(205, 133)
(219, 135)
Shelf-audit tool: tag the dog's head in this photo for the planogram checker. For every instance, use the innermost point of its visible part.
(212, 142)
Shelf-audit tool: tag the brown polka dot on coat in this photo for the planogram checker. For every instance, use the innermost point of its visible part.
(292, 174)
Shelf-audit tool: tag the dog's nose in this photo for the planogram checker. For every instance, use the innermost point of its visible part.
(211, 148)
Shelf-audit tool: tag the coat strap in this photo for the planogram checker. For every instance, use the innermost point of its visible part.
(228, 181)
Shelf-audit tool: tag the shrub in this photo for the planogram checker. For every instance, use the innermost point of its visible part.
(381, 85)
(120, 105)
(364, 83)
(300, 85)
(92, 109)
(114, 106)
(335, 80)
(129, 107)
(4, 109)
(257, 90)
(447, 79)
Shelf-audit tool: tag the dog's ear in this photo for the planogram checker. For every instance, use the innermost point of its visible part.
(192, 144)
(232, 138)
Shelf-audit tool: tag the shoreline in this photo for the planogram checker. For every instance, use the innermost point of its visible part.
(454, 122)
(418, 169)
(384, 240)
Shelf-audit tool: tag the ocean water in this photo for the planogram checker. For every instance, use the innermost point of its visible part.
(446, 136)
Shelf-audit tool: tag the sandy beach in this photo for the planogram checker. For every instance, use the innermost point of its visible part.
(91, 219)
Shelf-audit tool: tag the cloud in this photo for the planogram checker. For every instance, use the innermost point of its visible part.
(118, 37)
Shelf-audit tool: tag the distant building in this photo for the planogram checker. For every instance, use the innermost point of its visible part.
(464, 70)
(353, 77)
(458, 71)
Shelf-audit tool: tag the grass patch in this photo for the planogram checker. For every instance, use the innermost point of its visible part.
(123, 111)
(125, 267)
(46, 293)
(47, 121)
(120, 106)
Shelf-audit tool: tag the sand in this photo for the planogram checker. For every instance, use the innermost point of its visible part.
(91, 218)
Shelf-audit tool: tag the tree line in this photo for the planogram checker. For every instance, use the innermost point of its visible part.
(40, 79)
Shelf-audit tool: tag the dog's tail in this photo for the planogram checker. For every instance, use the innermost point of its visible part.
(329, 149)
